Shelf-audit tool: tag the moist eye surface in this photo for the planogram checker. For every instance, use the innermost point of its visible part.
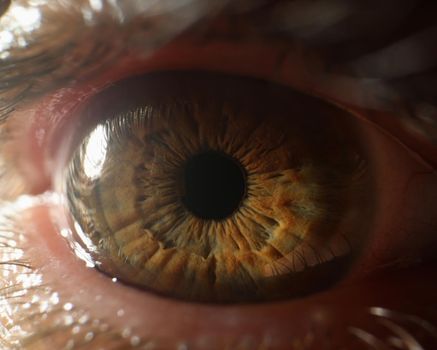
(215, 188)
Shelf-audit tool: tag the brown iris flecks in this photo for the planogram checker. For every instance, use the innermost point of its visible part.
(296, 229)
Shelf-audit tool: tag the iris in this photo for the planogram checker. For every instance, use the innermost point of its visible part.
(220, 189)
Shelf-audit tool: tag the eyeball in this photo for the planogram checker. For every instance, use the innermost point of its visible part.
(213, 188)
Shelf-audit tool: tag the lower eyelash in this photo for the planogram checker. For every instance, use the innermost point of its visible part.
(31, 311)
(35, 312)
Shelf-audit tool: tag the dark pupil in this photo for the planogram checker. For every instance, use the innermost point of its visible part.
(214, 185)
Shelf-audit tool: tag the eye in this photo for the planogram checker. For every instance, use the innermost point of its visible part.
(381, 241)
(223, 179)
(379, 196)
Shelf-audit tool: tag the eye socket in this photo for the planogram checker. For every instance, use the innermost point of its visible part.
(291, 224)
(65, 273)
(386, 243)
(288, 326)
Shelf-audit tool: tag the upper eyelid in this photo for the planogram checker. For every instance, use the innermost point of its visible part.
(40, 66)
(35, 47)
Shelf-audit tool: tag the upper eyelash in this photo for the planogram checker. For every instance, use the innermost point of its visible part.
(40, 67)
(24, 75)
(25, 90)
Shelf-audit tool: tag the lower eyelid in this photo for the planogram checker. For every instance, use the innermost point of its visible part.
(325, 317)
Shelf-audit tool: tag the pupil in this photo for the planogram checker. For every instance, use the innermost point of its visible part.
(214, 185)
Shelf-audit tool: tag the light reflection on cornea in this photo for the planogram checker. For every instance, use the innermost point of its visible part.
(56, 200)
(95, 152)
(80, 252)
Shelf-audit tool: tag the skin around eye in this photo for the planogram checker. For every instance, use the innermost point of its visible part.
(325, 318)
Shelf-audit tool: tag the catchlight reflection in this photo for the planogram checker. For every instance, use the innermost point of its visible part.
(95, 152)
